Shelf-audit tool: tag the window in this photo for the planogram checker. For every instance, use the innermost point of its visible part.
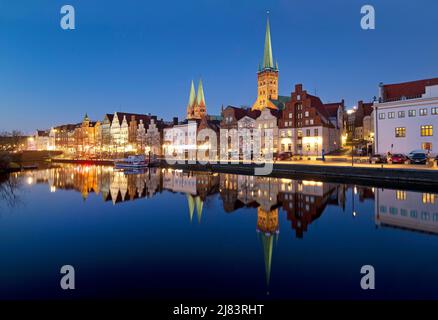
(381, 116)
(308, 132)
(401, 114)
(434, 111)
(428, 198)
(400, 132)
(423, 112)
(400, 195)
(426, 146)
(306, 114)
(412, 113)
(311, 121)
(290, 115)
(306, 122)
(316, 132)
(391, 115)
(426, 131)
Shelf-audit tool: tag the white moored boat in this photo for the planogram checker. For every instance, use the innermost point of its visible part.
(137, 161)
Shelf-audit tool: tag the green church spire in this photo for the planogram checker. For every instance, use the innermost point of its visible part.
(192, 96)
(267, 243)
(268, 61)
(191, 203)
(200, 95)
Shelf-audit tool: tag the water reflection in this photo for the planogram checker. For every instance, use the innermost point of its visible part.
(296, 204)
(9, 190)
(407, 210)
(302, 201)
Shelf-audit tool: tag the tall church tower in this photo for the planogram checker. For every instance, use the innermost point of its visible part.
(192, 102)
(196, 108)
(201, 108)
(267, 77)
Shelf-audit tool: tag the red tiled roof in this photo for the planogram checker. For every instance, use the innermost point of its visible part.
(146, 118)
(320, 108)
(368, 108)
(407, 89)
(239, 113)
(332, 108)
(253, 114)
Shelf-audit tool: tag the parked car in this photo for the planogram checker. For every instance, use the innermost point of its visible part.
(284, 156)
(378, 158)
(398, 158)
(418, 158)
(426, 152)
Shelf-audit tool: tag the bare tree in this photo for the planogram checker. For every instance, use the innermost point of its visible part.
(9, 190)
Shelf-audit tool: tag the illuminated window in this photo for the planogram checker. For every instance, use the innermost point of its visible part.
(401, 114)
(426, 131)
(400, 195)
(434, 111)
(306, 114)
(426, 146)
(412, 113)
(423, 112)
(428, 198)
(381, 116)
(400, 132)
(391, 115)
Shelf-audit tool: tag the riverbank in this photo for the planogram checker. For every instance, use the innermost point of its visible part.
(105, 162)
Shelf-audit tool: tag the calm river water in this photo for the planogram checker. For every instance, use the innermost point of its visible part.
(172, 234)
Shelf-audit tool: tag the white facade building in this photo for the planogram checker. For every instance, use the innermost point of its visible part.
(179, 141)
(406, 116)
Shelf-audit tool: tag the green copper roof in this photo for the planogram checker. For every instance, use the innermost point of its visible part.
(191, 203)
(200, 96)
(268, 61)
(199, 205)
(192, 96)
(267, 242)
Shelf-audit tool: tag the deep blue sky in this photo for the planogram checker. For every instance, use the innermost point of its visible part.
(139, 56)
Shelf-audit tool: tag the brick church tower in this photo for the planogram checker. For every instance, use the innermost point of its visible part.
(267, 77)
(196, 108)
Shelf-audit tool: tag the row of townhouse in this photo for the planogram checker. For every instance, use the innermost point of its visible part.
(116, 134)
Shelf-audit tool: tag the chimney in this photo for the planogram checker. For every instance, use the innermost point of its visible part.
(298, 87)
(381, 93)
